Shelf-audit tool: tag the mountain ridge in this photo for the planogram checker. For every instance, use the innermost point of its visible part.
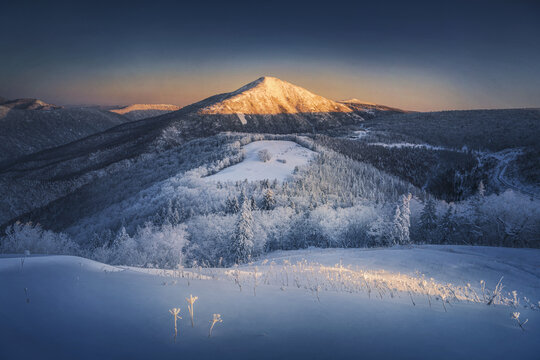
(369, 109)
(29, 131)
(27, 104)
(143, 111)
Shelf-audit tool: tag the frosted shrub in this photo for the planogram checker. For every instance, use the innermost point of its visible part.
(150, 246)
(497, 293)
(216, 319)
(264, 155)
(162, 247)
(209, 238)
(515, 316)
(22, 238)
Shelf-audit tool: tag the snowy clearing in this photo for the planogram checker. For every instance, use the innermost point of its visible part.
(297, 304)
(285, 156)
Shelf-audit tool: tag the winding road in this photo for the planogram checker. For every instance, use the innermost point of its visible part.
(504, 158)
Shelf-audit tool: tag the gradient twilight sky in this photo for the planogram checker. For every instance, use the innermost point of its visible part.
(418, 55)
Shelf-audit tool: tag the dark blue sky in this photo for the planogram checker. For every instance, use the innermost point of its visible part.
(419, 55)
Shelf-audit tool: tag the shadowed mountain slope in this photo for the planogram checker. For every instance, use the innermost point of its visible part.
(144, 111)
(28, 131)
(28, 104)
(370, 110)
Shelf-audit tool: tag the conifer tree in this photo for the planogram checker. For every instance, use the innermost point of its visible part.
(448, 225)
(402, 221)
(253, 203)
(233, 206)
(428, 220)
(241, 246)
(268, 200)
(478, 218)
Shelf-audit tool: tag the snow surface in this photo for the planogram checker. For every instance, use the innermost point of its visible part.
(445, 263)
(78, 308)
(253, 169)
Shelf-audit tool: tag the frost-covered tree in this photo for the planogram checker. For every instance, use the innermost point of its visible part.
(478, 201)
(478, 216)
(264, 155)
(448, 225)
(428, 220)
(20, 237)
(253, 203)
(268, 200)
(402, 221)
(397, 231)
(241, 246)
(232, 204)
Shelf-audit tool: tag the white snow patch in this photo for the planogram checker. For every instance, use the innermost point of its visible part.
(253, 169)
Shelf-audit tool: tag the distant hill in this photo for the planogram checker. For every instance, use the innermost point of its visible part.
(26, 131)
(28, 104)
(143, 111)
(370, 110)
(484, 130)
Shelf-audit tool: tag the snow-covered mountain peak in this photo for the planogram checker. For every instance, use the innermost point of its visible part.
(270, 95)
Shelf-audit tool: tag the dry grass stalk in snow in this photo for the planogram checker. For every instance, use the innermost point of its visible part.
(175, 313)
(515, 316)
(216, 319)
(496, 293)
(316, 277)
(191, 300)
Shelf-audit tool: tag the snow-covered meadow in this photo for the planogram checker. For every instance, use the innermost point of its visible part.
(283, 158)
(311, 303)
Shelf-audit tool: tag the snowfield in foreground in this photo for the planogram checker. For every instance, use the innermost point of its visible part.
(302, 304)
(284, 157)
